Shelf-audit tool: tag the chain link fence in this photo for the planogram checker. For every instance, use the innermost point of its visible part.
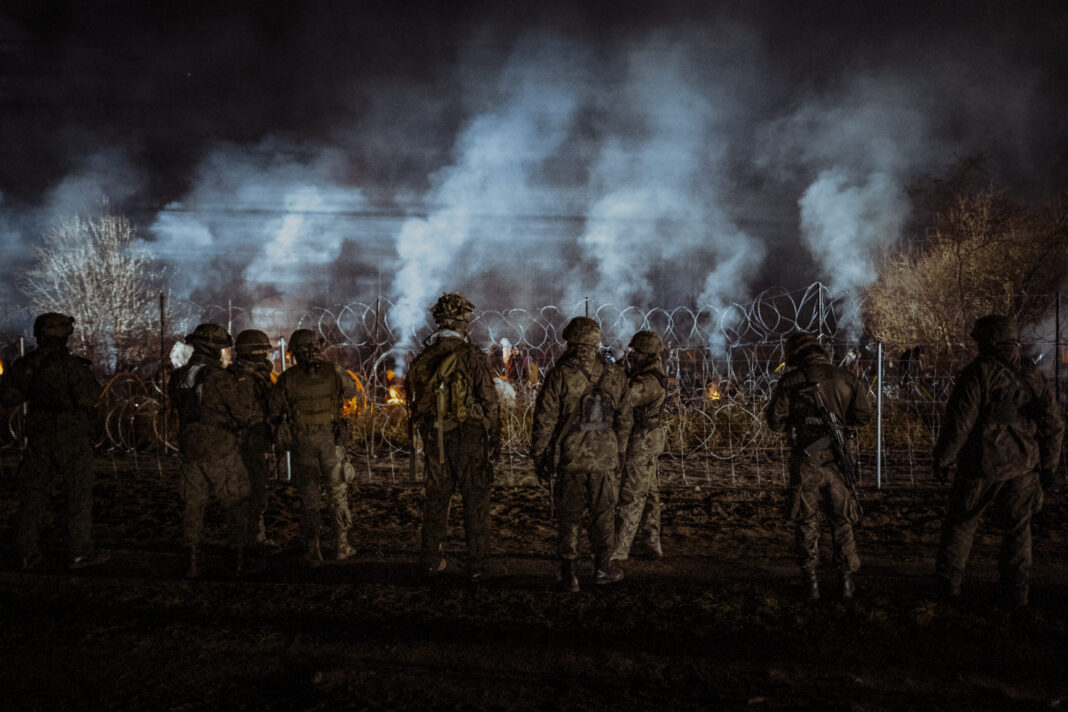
(722, 365)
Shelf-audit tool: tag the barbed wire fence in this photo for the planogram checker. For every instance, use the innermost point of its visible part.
(722, 364)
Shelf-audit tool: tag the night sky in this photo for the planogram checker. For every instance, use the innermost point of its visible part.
(527, 153)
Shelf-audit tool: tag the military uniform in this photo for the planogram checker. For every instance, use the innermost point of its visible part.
(212, 409)
(253, 373)
(309, 397)
(582, 449)
(1002, 428)
(638, 508)
(458, 453)
(61, 394)
(815, 478)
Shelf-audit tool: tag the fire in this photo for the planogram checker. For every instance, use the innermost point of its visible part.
(395, 397)
(1, 368)
(355, 404)
(713, 393)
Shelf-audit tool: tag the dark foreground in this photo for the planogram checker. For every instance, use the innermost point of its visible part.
(716, 625)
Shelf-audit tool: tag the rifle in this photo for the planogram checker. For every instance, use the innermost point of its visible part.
(847, 465)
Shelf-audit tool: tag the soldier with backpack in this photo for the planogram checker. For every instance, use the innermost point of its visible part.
(812, 392)
(582, 421)
(61, 394)
(453, 402)
(639, 492)
(212, 409)
(306, 404)
(1003, 429)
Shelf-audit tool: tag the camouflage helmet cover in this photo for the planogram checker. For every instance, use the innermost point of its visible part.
(800, 342)
(211, 335)
(304, 344)
(452, 306)
(582, 330)
(647, 342)
(252, 341)
(53, 324)
(994, 329)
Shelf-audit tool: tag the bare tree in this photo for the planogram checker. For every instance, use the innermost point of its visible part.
(89, 268)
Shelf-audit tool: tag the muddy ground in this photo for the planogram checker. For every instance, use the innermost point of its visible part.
(717, 624)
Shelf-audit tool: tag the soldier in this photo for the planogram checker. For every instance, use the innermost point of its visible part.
(815, 477)
(309, 397)
(639, 492)
(582, 420)
(252, 369)
(212, 409)
(454, 404)
(61, 395)
(1004, 428)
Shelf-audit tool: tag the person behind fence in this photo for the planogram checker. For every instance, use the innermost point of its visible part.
(212, 409)
(1003, 430)
(60, 394)
(454, 404)
(816, 479)
(306, 404)
(252, 369)
(638, 508)
(582, 421)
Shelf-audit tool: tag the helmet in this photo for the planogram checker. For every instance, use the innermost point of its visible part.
(994, 329)
(647, 342)
(304, 345)
(252, 342)
(53, 325)
(210, 335)
(800, 343)
(452, 307)
(582, 330)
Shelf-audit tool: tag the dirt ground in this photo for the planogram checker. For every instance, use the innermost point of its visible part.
(717, 624)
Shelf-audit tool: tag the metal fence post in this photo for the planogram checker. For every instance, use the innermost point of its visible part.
(879, 420)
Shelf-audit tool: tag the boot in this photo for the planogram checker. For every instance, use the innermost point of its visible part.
(84, 561)
(313, 557)
(811, 584)
(344, 549)
(1023, 595)
(848, 587)
(649, 550)
(607, 572)
(566, 578)
(193, 572)
(29, 562)
(951, 588)
(247, 562)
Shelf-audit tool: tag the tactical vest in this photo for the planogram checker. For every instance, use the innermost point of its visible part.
(805, 421)
(187, 393)
(312, 393)
(597, 407)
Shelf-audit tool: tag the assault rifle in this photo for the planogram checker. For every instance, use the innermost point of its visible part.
(847, 464)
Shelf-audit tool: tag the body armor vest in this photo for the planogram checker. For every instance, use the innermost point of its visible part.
(312, 392)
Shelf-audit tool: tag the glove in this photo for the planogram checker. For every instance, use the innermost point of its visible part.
(941, 474)
(1048, 480)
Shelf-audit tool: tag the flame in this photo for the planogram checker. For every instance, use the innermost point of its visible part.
(713, 393)
(395, 397)
(355, 404)
(1, 368)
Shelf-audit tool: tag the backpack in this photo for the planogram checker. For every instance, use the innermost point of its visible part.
(596, 407)
(187, 392)
(447, 391)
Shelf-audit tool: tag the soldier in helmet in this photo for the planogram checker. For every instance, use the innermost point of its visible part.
(815, 478)
(307, 402)
(454, 404)
(639, 493)
(61, 394)
(252, 369)
(1003, 428)
(212, 409)
(582, 421)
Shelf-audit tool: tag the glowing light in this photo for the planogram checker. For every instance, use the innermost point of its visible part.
(714, 394)
(1, 368)
(395, 397)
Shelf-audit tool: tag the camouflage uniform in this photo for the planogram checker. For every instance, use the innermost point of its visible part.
(253, 373)
(814, 476)
(639, 493)
(1002, 427)
(463, 460)
(585, 462)
(212, 409)
(309, 398)
(61, 394)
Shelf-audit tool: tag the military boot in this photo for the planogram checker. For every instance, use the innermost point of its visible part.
(951, 588)
(811, 584)
(313, 557)
(566, 578)
(848, 587)
(193, 571)
(607, 572)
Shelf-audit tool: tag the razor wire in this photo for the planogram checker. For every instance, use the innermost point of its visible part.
(722, 363)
